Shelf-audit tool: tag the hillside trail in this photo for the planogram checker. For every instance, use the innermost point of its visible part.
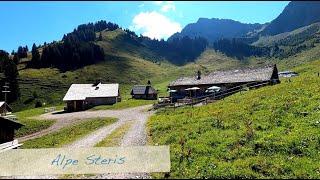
(135, 136)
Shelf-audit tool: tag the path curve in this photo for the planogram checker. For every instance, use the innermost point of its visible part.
(136, 135)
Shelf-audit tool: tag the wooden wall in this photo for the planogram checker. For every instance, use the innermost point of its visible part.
(6, 132)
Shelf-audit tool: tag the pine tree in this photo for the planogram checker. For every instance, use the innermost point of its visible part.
(16, 58)
(35, 56)
(100, 36)
(10, 72)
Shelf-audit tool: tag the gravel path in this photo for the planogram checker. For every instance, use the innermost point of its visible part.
(136, 135)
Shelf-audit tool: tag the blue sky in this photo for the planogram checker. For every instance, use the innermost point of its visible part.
(25, 23)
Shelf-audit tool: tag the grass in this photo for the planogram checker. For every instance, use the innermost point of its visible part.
(114, 139)
(68, 134)
(262, 133)
(32, 125)
(124, 104)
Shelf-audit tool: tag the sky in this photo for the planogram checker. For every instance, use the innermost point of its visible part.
(25, 23)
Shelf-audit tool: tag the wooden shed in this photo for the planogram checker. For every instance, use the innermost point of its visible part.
(82, 96)
(7, 128)
(224, 79)
(144, 92)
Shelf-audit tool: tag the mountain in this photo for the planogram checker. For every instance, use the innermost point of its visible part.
(214, 29)
(295, 37)
(295, 15)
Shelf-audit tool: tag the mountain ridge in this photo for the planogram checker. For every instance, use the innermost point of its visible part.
(221, 28)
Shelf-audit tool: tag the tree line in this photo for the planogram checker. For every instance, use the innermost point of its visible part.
(179, 50)
(77, 48)
(9, 74)
(237, 48)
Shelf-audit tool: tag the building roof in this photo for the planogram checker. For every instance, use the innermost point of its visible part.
(14, 124)
(143, 89)
(83, 91)
(229, 76)
(7, 105)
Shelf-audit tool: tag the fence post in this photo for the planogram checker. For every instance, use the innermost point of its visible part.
(192, 102)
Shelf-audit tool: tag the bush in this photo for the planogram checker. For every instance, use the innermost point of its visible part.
(38, 104)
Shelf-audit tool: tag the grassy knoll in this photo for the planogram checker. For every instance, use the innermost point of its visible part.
(32, 125)
(68, 134)
(115, 137)
(271, 132)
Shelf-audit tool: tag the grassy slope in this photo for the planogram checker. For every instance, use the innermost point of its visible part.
(32, 125)
(259, 134)
(126, 63)
(68, 134)
(307, 31)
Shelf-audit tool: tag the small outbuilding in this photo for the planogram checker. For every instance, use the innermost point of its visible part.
(7, 128)
(4, 108)
(144, 92)
(82, 96)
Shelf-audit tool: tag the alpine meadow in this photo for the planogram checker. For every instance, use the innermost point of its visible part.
(229, 99)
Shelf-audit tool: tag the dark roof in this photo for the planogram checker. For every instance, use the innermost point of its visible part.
(142, 89)
(10, 122)
(229, 76)
(2, 103)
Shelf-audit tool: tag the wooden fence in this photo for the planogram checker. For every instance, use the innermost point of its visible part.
(211, 97)
(9, 145)
(11, 117)
(49, 109)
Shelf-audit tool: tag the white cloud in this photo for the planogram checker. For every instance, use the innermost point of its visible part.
(141, 5)
(167, 7)
(155, 25)
(158, 2)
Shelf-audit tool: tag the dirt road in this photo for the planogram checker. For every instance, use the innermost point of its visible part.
(136, 135)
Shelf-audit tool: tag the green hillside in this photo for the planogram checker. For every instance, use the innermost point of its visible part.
(271, 132)
(126, 63)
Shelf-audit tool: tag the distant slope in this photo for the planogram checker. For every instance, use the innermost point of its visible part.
(214, 29)
(291, 38)
(291, 43)
(295, 15)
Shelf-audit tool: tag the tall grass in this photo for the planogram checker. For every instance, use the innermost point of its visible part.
(271, 132)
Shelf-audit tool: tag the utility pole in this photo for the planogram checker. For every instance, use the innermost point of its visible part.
(6, 86)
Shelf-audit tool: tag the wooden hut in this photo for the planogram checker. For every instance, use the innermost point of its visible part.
(82, 96)
(144, 92)
(224, 79)
(7, 128)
